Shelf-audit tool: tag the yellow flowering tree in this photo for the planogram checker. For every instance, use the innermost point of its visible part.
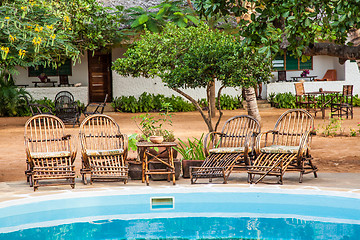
(46, 32)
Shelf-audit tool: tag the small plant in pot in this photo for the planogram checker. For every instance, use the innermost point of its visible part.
(193, 154)
(152, 129)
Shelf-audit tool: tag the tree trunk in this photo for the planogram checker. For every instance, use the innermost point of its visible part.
(354, 37)
(212, 102)
(252, 106)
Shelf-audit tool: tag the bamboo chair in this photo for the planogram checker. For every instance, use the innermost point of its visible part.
(343, 105)
(49, 152)
(104, 149)
(286, 148)
(233, 146)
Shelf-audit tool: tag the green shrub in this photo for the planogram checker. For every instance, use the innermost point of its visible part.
(282, 100)
(151, 103)
(193, 150)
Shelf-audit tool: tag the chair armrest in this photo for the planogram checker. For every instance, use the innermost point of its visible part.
(210, 137)
(258, 140)
(304, 144)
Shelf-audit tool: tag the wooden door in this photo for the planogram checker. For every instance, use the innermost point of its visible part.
(99, 65)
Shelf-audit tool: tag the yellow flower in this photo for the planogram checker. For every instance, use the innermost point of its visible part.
(37, 41)
(38, 29)
(69, 28)
(5, 49)
(22, 53)
(49, 27)
(67, 19)
(23, 8)
(12, 38)
(53, 36)
(7, 18)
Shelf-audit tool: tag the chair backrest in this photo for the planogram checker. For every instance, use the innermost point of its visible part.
(236, 129)
(299, 89)
(64, 94)
(45, 133)
(281, 75)
(330, 75)
(348, 90)
(291, 125)
(100, 132)
(64, 80)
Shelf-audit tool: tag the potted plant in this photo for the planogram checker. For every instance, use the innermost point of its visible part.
(192, 154)
(152, 129)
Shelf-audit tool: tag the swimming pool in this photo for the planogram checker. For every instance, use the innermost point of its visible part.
(178, 212)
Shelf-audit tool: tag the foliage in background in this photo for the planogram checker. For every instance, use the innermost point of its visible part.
(43, 32)
(282, 100)
(194, 57)
(155, 18)
(333, 128)
(318, 27)
(152, 103)
(11, 97)
(193, 149)
(287, 100)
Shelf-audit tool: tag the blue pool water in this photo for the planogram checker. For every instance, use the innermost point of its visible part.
(219, 213)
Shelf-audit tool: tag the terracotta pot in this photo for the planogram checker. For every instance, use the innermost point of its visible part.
(186, 164)
(135, 170)
(156, 139)
(158, 165)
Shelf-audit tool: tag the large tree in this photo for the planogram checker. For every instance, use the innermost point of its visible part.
(194, 57)
(317, 27)
(48, 32)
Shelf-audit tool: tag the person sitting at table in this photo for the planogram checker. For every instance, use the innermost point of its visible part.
(43, 78)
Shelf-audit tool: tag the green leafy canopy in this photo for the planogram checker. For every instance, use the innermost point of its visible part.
(192, 57)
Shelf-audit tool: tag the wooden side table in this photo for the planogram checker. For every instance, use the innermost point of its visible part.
(147, 157)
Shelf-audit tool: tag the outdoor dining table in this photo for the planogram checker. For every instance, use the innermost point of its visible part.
(322, 102)
(296, 79)
(147, 157)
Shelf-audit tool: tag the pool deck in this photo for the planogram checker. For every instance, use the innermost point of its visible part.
(334, 182)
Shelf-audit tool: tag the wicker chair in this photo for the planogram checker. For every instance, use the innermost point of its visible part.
(66, 108)
(343, 105)
(104, 149)
(233, 146)
(286, 148)
(95, 108)
(49, 152)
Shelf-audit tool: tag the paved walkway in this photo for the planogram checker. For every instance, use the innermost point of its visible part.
(342, 182)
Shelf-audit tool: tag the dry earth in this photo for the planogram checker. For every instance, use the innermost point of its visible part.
(331, 154)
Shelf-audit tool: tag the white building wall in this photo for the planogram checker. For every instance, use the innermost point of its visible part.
(79, 75)
(347, 74)
(129, 86)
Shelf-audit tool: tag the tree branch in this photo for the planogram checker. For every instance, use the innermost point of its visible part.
(196, 104)
(335, 50)
(219, 107)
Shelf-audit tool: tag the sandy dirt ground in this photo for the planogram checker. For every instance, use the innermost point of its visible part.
(331, 154)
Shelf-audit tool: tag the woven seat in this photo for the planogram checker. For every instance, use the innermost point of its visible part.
(50, 157)
(229, 150)
(279, 149)
(286, 148)
(110, 152)
(232, 147)
(104, 149)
